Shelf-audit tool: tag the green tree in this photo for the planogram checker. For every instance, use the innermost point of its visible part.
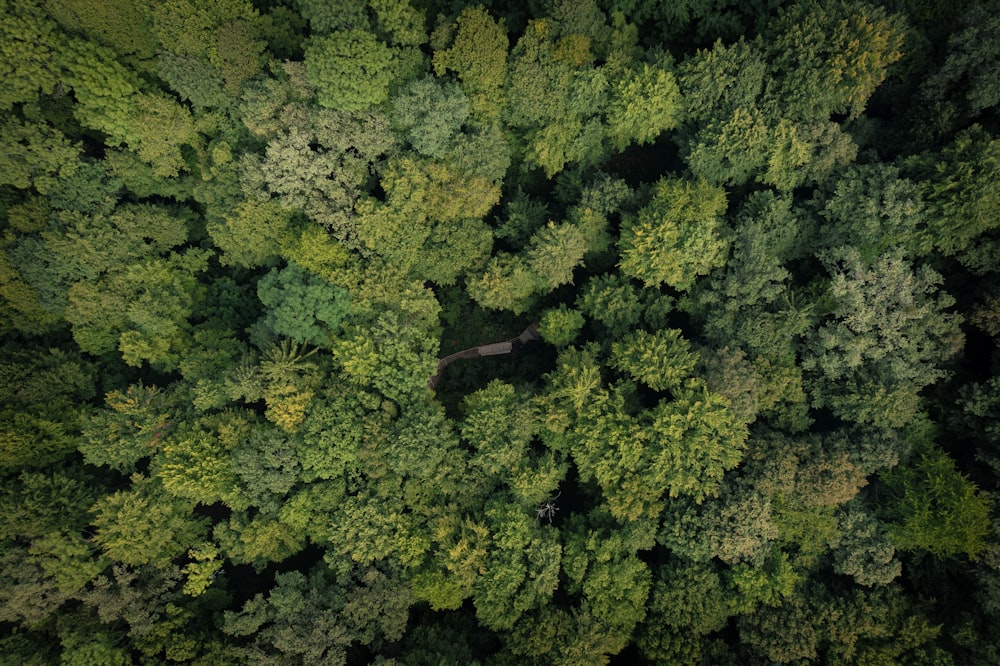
(507, 284)
(430, 113)
(676, 236)
(660, 360)
(351, 69)
(973, 52)
(866, 553)
(130, 428)
(30, 53)
(521, 567)
(89, 246)
(110, 99)
(35, 155)
(959, 186)
(830, 56)
(643, 106)
(44, 396)
(192, 463)
(221, 38)
(252, 234)
(612, 300)
(258, 540)
(716, 82)
(298, 620)
(560, 326)
(475, 47)
(875, 209)
(556, 96)
(935, 508)
(30, 596)
(737, 526)
(41, 502)
(890, 333)
(142, 310)
(145, 525)
(302, 306)
(146, 606)
(554, 251)
(731, 149)
(126, 27)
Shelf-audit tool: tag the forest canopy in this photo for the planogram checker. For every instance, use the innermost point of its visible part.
(753, 246)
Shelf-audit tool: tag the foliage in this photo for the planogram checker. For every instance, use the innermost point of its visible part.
(752, 247)
(302, 307)
(676, 237)
(935, 508)
(351, 69)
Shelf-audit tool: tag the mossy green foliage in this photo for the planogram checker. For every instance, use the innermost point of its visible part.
(758, 245)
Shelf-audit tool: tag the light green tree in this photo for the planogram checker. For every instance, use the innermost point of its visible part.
(146, 525)
(30, 49)
(643, 106)
(662, 360)
(933, 507)
(475, 47)
(677, 236)
(351, 69)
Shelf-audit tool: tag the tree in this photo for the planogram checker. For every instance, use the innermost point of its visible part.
(521, 568)
(351, 69)
(30, 596)
(642, 106)
(866, 553)
(935, 508)
(560, 326)
(89, 246)
(110, 99)
(687, 598)
(298, 619)
(42, 502)
(737, 526)
(146, 606)
(43, 404)
(675, 237)
(499, 426)
(661, 360)
(701, 440)
(302, 306)
(613, 301)
(875, 209)
(192, 463)
(556, 97)
(30, 53)
(890, 334)
(507, 284)
(830, 57)
(475, 48)
(126, 27)
(145, 525)
(430, 225)
(554, 251)
(130, 429)
(715, 82)
(732, 149)
(430, 114)
(258, 540)
(959, 186)
(965, 73)
(35, 155)
(253, 234)
(142, 310)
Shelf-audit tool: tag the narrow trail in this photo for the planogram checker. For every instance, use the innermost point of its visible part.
(529, 334)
